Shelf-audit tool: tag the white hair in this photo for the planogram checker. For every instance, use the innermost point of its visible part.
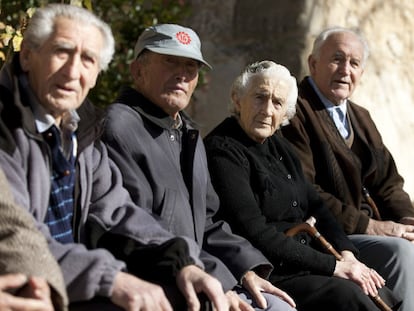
(42, 23)
(277, 71)
(325, 34)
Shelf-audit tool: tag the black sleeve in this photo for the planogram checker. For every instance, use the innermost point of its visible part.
(150, 262)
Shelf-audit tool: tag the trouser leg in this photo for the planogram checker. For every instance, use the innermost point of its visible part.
(100, 303)
(322, 293)
(392, 258)
(173, 294)
(274, 303)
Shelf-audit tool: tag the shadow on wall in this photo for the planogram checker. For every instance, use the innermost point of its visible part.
(235, 33)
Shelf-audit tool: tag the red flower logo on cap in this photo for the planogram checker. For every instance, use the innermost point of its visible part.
(183, 37)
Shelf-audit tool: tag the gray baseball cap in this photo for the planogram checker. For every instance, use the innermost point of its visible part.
(170, 39)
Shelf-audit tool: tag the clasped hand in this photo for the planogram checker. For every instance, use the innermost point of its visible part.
(34, 296)
(404, 230)
(350, 268)
(134, 294)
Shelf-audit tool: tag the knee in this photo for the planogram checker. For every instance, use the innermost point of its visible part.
(405, 247)
(349, 296)
(402, 250)
(274, 303)
(388, 252)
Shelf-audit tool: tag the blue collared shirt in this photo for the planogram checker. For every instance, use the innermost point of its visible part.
(337, 112)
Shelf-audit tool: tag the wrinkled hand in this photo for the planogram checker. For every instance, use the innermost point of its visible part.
(191, 280)
(35, 296)
(408, 235)
(134, 294)
(236, 303)
(352, 269)
(256, 285)
(391, 228)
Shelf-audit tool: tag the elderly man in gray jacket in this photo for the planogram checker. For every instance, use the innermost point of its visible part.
(61, 174)
(163, 161)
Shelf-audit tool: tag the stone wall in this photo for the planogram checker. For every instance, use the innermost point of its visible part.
(236, 32)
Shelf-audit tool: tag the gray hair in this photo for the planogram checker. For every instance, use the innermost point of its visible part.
(41, 27)
(325, 34)
(276, 71)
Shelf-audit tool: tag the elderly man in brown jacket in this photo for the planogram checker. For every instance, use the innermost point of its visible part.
(343, 155)
(27, 268)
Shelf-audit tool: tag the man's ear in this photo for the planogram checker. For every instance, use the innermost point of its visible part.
(311, 64)
(135, 69)
(24, 56)
(236, 102)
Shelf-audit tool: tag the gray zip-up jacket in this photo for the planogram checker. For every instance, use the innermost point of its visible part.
(103, 206)
(166, 172)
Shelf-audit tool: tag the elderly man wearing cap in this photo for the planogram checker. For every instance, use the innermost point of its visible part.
(163, 161)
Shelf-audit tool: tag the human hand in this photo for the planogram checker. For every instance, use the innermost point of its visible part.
(34, 296)
(236, 303)
(391, 228)
(408, 235)
(191, 280)
(352, 269)
(256, 285)
(134, 294)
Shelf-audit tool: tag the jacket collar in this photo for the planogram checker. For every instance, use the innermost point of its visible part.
(307, 91)
(150, 111)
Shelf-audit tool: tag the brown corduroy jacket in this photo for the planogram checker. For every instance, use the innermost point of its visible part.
(336, 170)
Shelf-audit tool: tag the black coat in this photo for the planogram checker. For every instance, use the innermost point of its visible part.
(263, 192)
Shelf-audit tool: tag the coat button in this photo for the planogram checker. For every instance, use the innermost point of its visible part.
(172, 137)
(295, 203)
(302, 241)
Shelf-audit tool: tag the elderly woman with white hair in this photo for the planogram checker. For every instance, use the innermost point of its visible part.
(263, 193)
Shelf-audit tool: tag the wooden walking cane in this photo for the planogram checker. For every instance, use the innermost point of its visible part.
(309, 227)
(371, 203)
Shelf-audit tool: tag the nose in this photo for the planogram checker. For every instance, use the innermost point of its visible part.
(180, 72)
(345, 67)
(72, 67)
(267, 107)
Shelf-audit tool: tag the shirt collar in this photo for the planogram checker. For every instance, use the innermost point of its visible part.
(177, 122)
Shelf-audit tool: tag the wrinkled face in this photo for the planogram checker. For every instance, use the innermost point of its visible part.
(63, 70)
(262, 107)
(167, 81)
(339, 67)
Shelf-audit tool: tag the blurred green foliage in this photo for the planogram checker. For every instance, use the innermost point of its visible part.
(128, 18)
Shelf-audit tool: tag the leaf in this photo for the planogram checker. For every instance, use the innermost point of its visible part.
(5, 38)
(88, 4)
(76, 2)
(10, 30)
(17, 41)
(30, 12)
